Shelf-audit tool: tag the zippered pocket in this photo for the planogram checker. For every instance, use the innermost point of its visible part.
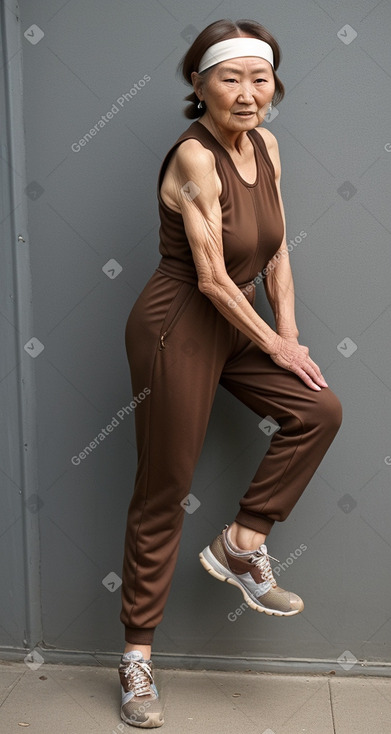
(175, 311)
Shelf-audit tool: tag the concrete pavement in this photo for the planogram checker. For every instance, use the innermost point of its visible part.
(70, 699)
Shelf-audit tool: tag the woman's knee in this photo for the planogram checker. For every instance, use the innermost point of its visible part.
(329, 411)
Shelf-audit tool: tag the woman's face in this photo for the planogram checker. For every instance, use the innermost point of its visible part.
(235, 87)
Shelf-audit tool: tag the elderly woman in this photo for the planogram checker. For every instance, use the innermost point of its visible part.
(194, 327)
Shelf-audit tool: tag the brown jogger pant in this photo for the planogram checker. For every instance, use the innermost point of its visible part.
(180, 347)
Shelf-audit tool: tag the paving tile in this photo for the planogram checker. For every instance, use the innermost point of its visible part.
(9, 677)
(361, 705)
(61, 700)
(209, 701)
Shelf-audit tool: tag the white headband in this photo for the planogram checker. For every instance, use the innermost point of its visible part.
(233, 48)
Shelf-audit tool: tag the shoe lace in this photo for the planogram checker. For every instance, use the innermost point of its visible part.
(140, 677)
(260, 559)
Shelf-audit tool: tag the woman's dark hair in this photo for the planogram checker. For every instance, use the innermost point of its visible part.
(221, 30)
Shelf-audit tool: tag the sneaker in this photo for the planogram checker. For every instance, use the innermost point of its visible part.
(250, 571)
(140, 704)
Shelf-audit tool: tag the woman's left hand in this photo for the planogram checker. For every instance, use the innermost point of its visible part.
(292, 356)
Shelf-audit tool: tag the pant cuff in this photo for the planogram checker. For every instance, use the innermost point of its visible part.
(258, 523)
(139, 635)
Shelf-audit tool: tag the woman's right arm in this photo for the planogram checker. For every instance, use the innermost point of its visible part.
(194, 186)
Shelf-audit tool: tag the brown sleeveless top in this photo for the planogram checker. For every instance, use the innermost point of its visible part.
(251, 217)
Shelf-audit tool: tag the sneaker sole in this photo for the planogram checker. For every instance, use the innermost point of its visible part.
(216, 569)
(153, 721)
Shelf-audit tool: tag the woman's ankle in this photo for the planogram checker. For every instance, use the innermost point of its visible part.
(245, 538)
(144, 649)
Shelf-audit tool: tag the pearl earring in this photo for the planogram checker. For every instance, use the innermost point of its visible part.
(199, 105)
(270, 108)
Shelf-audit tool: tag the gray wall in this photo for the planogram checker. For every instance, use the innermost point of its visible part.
(62, 524)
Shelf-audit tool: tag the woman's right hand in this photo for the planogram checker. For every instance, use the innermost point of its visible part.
(292, 356)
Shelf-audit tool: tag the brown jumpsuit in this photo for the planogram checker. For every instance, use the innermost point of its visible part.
(180, 347)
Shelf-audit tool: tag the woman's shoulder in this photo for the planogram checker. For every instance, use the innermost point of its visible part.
(271, 143)
(269, 139)
(189, 160)
(191, 151)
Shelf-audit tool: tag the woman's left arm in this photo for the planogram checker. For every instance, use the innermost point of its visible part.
(278, 281)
